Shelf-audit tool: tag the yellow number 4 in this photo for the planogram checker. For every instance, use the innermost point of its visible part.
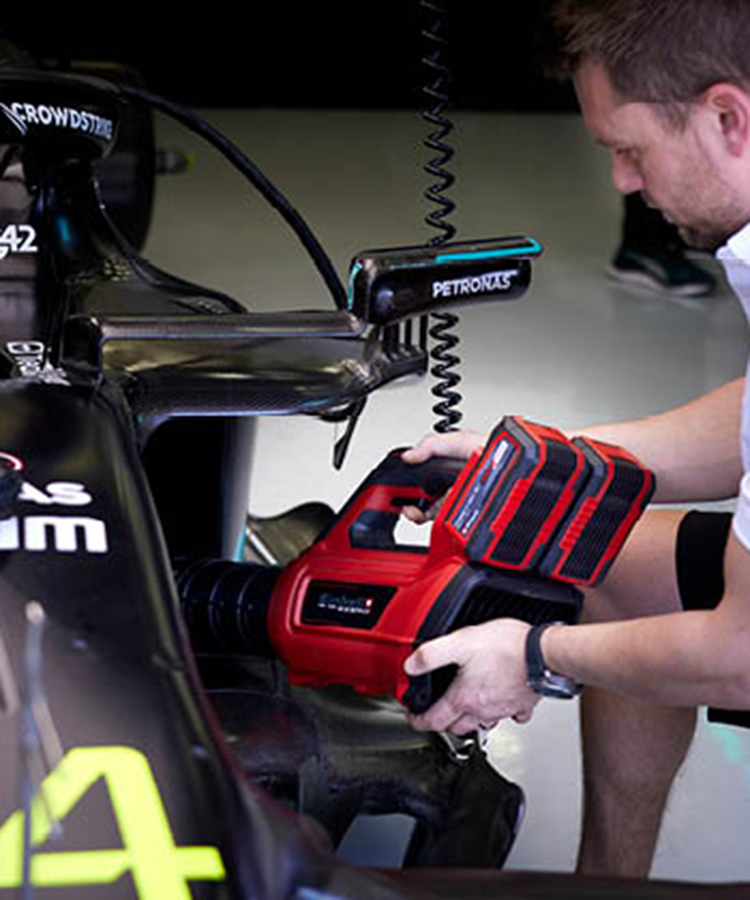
(160, 869)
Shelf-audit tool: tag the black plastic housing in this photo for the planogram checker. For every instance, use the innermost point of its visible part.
(386, 286)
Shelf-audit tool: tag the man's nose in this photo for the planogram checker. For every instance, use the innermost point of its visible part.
(625, 174)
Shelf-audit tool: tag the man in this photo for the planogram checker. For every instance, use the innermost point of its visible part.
(665, 88)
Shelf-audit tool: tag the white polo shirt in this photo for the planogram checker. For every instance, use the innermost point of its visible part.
(735, 257)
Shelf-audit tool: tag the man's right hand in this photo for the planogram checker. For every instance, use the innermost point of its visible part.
(455, 444)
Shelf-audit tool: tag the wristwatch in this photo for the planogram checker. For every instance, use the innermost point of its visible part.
(540, 679)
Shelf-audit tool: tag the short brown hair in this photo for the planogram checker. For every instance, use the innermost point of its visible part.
(666, 52)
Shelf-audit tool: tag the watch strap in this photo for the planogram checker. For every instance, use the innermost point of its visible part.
(540, 678)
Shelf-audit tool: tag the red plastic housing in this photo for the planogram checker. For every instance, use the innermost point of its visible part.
(344, 614)
(588, 541)
(515, 494)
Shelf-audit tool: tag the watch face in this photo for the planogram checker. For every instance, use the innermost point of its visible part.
(553, 685)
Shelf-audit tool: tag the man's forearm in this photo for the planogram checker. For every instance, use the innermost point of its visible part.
(694, 450)
(684, 658)
(660, 659)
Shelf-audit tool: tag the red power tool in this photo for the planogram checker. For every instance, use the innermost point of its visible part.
(527, 518)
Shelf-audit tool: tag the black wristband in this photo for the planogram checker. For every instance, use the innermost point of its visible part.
(540, 679)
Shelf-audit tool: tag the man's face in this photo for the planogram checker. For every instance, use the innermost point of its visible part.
(670, 166)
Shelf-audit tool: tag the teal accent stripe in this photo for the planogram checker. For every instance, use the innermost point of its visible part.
(534, 250)
(63, 229)
(240, 546)
(356, 269)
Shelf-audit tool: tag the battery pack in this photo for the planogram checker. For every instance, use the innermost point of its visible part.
(617, 491)
(516, 494)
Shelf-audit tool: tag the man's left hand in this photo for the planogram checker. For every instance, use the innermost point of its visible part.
(491, 683)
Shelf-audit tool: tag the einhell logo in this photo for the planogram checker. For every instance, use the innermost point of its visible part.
(24, 114)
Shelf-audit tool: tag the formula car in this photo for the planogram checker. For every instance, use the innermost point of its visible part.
(145, 753)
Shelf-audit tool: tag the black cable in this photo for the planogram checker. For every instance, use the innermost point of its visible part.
(442, 332)
(436, 91)
(240, 161)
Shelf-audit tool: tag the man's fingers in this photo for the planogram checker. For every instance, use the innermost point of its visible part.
(441, 716)
(465, 725)
(414, 514)
(419, 453)
(445, 716)
(434, 654)
(456, 444)
(490, 683)
(431, 445)
(420, 516)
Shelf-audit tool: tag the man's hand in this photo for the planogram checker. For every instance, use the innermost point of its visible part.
(455, 445)
(490, 684)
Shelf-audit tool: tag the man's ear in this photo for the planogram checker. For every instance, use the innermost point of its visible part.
(731, 105)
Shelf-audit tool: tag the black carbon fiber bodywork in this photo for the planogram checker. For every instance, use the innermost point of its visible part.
(109, 369)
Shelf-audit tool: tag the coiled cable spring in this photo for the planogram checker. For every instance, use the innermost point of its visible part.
(442, 331)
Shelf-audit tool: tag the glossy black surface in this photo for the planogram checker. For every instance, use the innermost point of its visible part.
(89, 540)
(117, 669)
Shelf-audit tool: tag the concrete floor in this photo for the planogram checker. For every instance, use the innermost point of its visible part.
(578, 348)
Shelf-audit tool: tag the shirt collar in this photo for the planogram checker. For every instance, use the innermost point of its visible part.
(737, 247)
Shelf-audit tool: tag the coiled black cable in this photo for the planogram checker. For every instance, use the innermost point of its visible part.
(442, 332)
(248, 168)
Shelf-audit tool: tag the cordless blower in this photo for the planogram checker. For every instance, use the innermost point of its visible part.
(526, 521)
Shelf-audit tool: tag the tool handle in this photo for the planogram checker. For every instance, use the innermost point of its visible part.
(434, 477)
(370, 516)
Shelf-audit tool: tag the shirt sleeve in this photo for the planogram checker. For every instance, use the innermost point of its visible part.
(741, 522)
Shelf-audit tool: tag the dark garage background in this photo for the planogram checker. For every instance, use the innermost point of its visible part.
(357, 55)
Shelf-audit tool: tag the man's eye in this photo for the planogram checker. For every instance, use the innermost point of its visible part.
(627, 155)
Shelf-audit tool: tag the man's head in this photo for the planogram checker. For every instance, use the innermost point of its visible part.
(666, 52)
(665, 86)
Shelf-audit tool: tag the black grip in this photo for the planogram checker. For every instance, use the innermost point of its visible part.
(435, 476)
(374, 528)
(425, 689)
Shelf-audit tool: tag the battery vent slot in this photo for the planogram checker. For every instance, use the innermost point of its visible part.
(517, 540)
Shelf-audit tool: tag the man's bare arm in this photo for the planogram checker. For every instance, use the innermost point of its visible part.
(694, 450)
(687, 658)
